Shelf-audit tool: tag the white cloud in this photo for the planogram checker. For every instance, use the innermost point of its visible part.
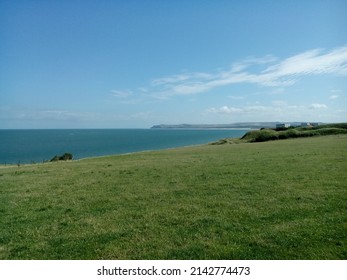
(312, 62)
(171, 80)
(278, 110)
(239, 110)
(242, 65)
(334, 96)
(270, 72)
(121, 93)
(318, 106)
(225, 110)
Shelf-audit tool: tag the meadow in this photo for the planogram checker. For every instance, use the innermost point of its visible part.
(269, 200)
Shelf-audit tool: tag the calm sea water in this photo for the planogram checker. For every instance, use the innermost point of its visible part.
(26, 146)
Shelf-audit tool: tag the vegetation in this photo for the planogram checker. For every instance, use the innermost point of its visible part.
(273, 200)
(294, 132)
(66, 156)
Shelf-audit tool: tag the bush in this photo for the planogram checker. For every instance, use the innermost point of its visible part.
(260, 135)
(266, 135)
(290, 133)
(55, 158)
(332, 125)
(65, 156)
(250, 135)
(274, 134)
(331, 131)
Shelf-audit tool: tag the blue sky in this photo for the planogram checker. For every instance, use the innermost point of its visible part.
(133, 64)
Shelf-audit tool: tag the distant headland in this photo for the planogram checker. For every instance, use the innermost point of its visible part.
(240, 125)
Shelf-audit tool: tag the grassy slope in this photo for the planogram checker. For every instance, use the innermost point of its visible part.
(273, 200)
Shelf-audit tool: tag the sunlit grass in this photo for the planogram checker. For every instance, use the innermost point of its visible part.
(273, 200)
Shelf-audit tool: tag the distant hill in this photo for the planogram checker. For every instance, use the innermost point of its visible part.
(245, 125)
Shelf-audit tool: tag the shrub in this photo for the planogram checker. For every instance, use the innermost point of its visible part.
(290, 133)
(250, 135)
(332, 125)
(55, 158)
(260, 135)
(65, 156)
(331, 131)
(266, 135)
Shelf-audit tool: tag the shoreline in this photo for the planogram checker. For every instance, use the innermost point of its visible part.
(11, 165)
(25, 147)
(19, 164)
(92, 145)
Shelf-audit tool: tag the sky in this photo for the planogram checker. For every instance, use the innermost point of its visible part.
(134, 64)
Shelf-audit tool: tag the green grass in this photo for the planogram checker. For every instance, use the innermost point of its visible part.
(272, 200)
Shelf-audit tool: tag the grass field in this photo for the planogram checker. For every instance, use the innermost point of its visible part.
(273, 200)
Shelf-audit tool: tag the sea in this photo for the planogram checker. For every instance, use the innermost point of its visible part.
(36, 145)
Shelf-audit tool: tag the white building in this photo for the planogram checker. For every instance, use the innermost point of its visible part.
(309, 124)
(305, 124)
(282, 125)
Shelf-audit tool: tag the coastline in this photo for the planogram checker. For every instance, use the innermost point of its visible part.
(39, 146)
(2, 165)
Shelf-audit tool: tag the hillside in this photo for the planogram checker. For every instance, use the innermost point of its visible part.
(273, 200)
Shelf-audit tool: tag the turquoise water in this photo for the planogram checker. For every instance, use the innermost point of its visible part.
(26, 146)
